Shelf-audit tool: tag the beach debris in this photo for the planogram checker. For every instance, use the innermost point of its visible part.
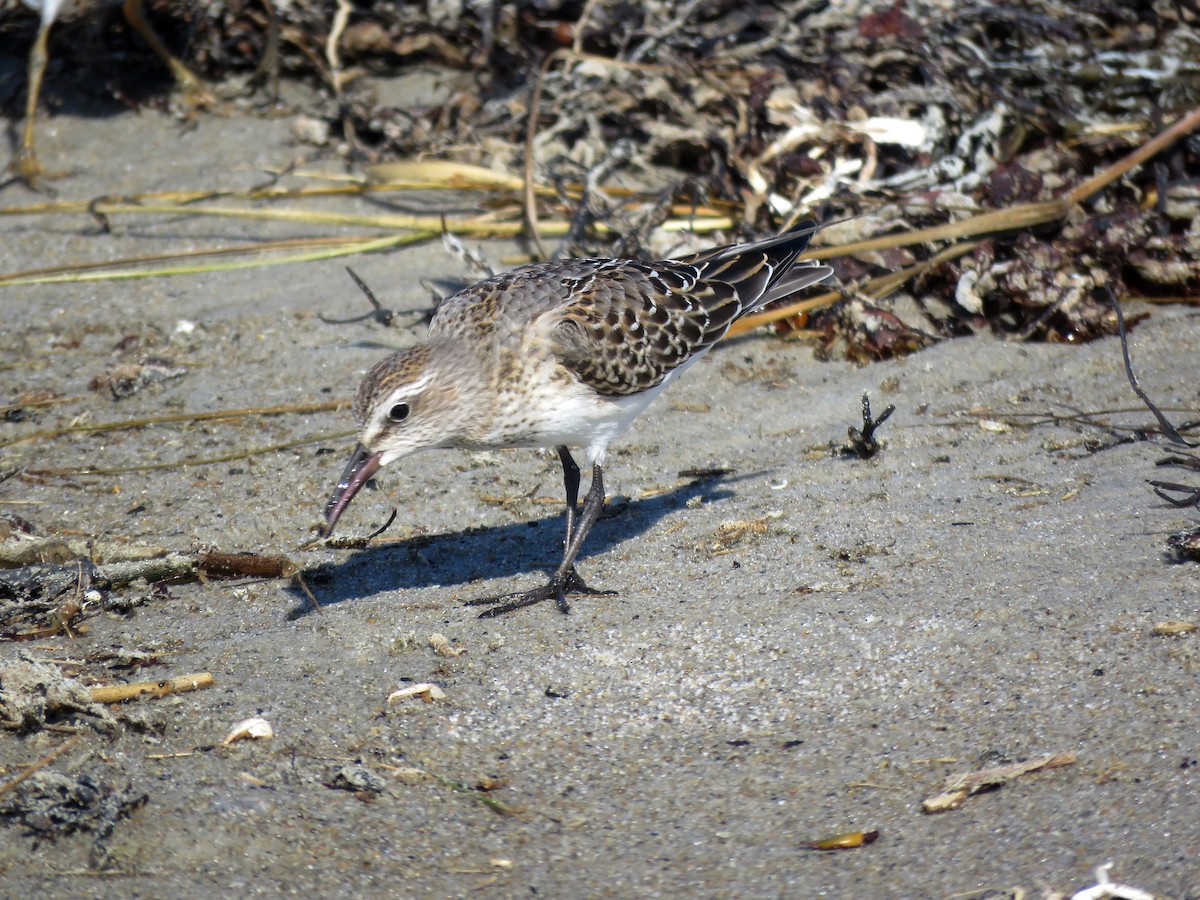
(848, 840)
(426, 691)
(118, 693)
(51, 804)
(256, 729)
(126, 379)
(1172, 627)
(958, 787)
(444, 647)
(34, 694)
(1106, 889)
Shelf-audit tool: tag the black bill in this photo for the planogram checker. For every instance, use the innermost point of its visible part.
(363, 464)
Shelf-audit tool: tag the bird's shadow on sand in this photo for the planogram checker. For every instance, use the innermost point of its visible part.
(531, 547)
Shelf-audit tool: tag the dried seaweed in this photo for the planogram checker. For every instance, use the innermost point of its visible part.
(50, 805)
(903, 116)
(862, 443)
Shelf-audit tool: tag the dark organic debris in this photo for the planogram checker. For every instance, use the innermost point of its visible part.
(50, 805)
(1184, 545)
(356, 779)
(1168, 429)
(126, 379)
(863, 444)
(865, 332)
(1178, 495)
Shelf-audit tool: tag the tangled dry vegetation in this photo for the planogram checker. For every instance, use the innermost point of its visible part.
(901, 115)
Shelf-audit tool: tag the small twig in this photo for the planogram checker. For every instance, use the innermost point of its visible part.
(629, 245)
(38, 587)
(1164, 423)
(382, 528)
(41, 763)
(245, 565)
(1152, 147)
(173, 565)
(591, 204)
(472, 261)
(378, 313)
(332, 56)
(118, 693)
(268, 64)
(1191, 493)
(581, 24)
(172, 418)
(312, 598)
(677, 22)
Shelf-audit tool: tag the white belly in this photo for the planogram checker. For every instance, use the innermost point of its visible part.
(569, 414)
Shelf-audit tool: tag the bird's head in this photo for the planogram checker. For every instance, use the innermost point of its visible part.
(413, 400)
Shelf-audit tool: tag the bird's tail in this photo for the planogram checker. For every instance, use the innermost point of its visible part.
(763, 271)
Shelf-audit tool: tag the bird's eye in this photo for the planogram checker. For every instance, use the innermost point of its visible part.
(399, 412)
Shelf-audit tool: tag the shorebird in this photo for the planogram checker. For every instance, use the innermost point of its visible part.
(25, 164)
(561, 354)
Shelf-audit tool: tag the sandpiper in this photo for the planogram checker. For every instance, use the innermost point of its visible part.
(561, 354)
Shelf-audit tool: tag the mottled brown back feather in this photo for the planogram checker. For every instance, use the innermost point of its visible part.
(622, 326)
(630, 324)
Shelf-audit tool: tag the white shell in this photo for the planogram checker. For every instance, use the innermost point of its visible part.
(257, 728)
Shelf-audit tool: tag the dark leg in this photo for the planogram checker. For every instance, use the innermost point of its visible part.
(571, 484)
(565, 574)
(574, 584)
(565, 579)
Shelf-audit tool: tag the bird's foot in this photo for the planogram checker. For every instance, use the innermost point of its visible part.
(558, 589)
(28, 169)
(194, 95)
